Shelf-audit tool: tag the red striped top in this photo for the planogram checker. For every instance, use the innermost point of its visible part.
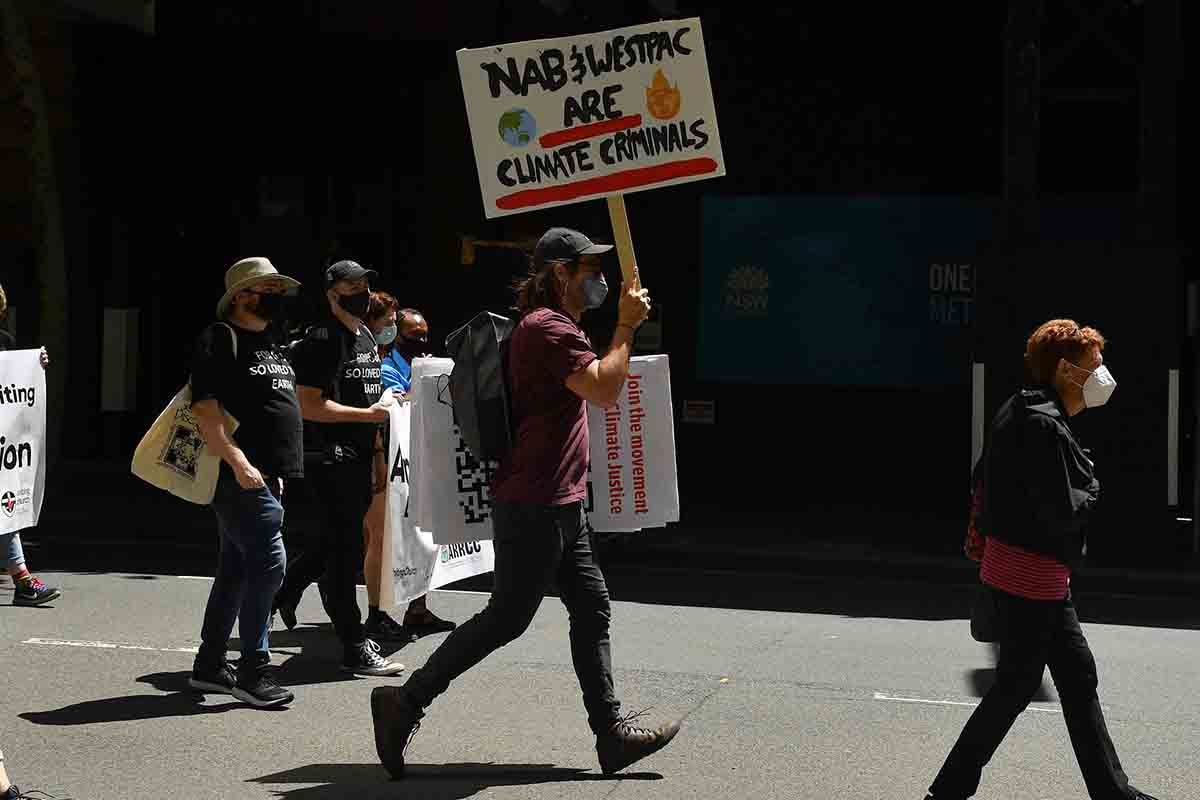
(1017, 571)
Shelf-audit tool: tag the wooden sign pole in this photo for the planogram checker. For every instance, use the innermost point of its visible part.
(623, 239)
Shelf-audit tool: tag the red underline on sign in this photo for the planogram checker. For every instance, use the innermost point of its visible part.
(589, 131)
(607, 184)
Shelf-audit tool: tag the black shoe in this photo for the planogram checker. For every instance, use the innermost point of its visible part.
(212, 680)
(287, 613)
(13, 793)
(429, 623)
(381, 627)
(624, 744)
(364, 659)
(397, 720)
(256, 686)
(32, 592)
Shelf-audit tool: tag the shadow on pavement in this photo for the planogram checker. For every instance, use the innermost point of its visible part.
(427, 781)
(180, 701)
(933, 591)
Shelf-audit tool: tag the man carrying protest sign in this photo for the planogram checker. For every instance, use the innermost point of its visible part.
(541, 535)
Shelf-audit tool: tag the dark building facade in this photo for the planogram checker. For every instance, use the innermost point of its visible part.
(314, 130)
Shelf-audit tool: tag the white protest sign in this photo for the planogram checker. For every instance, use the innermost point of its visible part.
(22, 439)
(417, 564)
(633, 482)
(558, 121)
(421, 367)
(455, 487)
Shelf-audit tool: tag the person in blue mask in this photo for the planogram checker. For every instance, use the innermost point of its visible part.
(403, 335)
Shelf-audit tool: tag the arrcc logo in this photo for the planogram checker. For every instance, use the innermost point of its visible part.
(8, 501)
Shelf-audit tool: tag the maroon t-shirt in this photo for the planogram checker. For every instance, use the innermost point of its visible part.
(548, 462)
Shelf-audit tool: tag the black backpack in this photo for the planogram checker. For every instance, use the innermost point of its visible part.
(479, 384)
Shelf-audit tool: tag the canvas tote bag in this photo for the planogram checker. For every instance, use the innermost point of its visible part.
(173, 456)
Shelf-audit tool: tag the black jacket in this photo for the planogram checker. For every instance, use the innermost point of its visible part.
(1039, 485)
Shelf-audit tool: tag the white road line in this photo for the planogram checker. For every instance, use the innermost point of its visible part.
(108, 645)
(924, 701)
(360, 586)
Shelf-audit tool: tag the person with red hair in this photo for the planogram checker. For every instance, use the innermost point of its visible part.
(1039, 490)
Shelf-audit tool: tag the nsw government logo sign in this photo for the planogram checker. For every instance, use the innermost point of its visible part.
(746, 292)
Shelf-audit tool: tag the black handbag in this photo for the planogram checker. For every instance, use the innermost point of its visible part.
(985, 615)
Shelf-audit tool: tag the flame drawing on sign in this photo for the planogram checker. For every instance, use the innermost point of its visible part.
(662, 99)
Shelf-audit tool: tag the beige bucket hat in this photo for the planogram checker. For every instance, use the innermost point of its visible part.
(246, 273)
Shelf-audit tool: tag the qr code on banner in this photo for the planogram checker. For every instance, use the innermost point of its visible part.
(474, 482)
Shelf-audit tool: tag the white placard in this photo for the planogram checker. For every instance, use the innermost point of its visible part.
(22, 439)
(633, 478)
(557, 121)
(417, 563)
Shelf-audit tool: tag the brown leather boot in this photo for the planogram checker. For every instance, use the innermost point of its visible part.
(396, 720)
(624, 743)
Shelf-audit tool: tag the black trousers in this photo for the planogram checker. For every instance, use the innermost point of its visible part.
(335, 555)
(536, 547)
(1036, 634)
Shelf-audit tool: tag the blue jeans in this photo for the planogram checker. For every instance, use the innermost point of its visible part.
(10, 550)
(249, 570)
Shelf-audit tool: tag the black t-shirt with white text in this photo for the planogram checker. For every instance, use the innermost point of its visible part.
(258, 388)
(345, 367)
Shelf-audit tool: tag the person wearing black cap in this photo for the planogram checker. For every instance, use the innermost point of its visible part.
(541, 535)
(338, 383)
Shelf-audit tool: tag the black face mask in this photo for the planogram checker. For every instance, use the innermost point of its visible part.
(411, 348)
(355, 304)
(272, 307)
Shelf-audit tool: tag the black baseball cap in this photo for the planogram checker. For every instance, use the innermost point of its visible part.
(347, 271)
(564, 244)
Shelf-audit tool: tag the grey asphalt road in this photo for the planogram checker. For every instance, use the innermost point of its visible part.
(861, 699)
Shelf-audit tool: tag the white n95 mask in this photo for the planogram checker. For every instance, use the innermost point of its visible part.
(1098, 387)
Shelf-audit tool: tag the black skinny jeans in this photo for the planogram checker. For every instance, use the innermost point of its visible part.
(1036, 634)
(343, 493)
(536, 546)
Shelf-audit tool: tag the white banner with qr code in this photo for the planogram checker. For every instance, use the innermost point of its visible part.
(418, 564)
(632, 484)
(22, 439)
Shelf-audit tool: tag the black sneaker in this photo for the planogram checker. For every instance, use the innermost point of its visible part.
(427, 624)
(32, 592)
(397, 720)
(364, 659)
(256, 687)
(381, 627)
(624, 744)
(212, 680)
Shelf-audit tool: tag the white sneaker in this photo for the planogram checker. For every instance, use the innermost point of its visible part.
(365, 660)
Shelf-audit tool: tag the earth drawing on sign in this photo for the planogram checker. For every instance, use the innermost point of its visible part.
(517, 127)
